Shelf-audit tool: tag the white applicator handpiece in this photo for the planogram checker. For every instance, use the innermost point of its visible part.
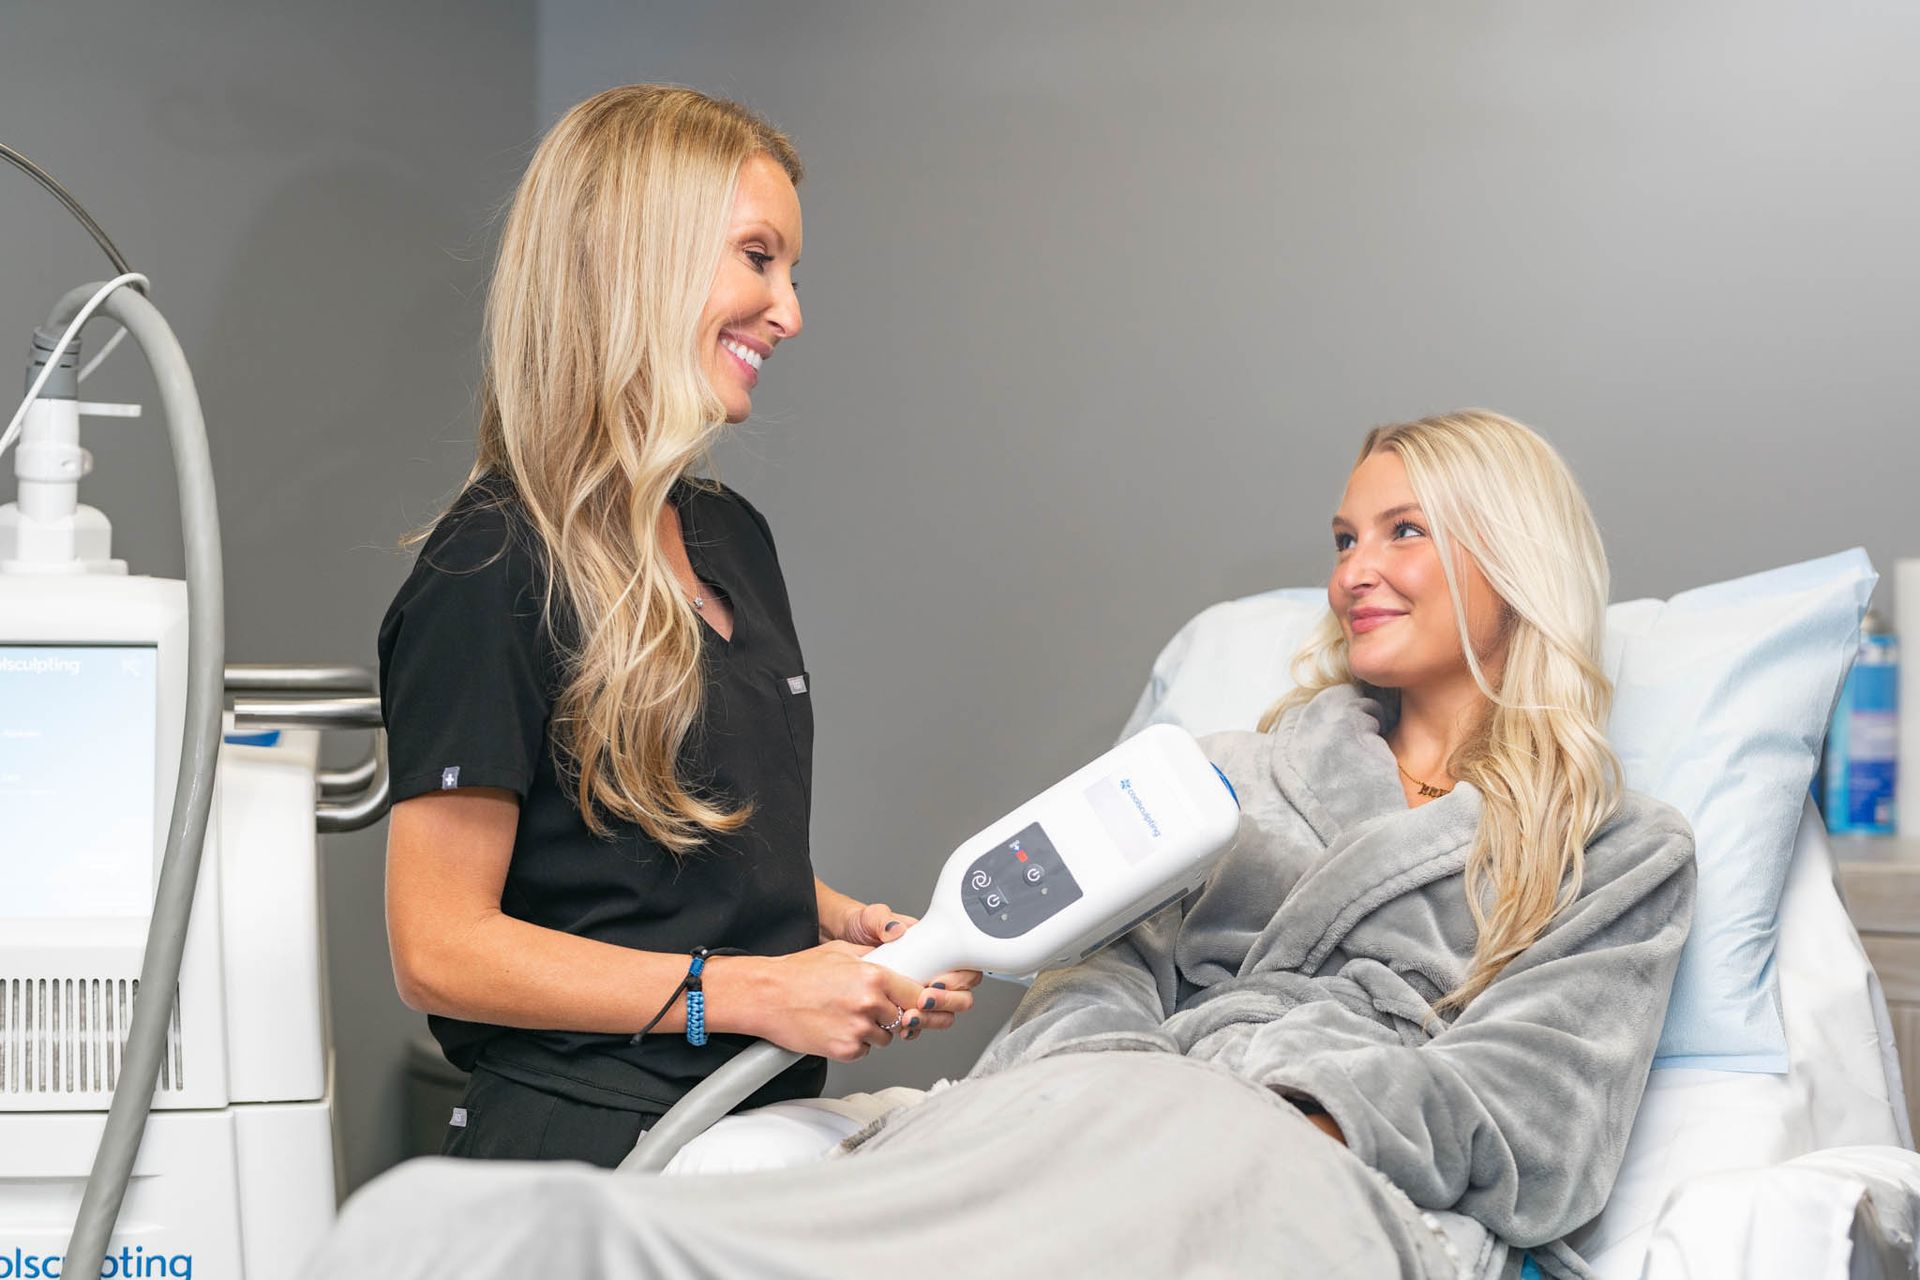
(1044, 887)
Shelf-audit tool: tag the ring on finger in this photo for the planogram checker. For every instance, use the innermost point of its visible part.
(898, 1014)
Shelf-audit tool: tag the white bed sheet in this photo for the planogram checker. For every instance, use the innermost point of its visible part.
(1842, 1089)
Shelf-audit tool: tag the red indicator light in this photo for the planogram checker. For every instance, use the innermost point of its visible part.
(1020, 854)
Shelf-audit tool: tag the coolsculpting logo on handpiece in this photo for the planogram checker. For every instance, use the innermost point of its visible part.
(1125, 814)
(1126, 785)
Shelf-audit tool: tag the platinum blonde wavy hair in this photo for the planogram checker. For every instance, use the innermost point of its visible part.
(1496, 493)
(594, 403)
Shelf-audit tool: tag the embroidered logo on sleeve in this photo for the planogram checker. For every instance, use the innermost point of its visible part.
(796, 684)
(450, 777)
(459, 1120)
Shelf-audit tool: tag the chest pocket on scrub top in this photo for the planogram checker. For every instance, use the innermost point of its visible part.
(796, 699)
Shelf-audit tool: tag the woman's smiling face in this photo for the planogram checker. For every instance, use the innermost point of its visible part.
(753, 306)
(1389, 592)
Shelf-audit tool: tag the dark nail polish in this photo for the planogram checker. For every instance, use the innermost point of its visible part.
(939, 986)
(914, 1021)
(891, 925)
(927, 1003)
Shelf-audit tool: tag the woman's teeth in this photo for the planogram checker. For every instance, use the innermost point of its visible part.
(746, 353)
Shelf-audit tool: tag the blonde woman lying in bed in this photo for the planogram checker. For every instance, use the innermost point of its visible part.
(1404, 1029)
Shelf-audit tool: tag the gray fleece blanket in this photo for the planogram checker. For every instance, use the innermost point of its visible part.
(1135, 1122)
(1107, 1164)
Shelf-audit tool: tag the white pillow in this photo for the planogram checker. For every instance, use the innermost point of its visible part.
(1229, 663)
(1722, 697)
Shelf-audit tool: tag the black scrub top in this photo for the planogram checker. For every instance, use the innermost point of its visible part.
(469, 675)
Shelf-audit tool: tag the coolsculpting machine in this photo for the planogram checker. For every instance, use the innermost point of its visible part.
(165, 1084)
(1044, 887)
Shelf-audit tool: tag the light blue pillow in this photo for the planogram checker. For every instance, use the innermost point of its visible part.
(1721, 700)
(1722, 697)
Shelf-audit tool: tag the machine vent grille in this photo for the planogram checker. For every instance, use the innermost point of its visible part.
(67, 1035)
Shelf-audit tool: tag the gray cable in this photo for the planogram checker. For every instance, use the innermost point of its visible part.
(193, 793)
(703, 1105)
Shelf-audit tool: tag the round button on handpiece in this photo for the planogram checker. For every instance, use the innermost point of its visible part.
(1034, 873)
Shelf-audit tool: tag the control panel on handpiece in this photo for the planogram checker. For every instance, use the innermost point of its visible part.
(1017, 884)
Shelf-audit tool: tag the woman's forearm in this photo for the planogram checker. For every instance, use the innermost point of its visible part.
(510, 973)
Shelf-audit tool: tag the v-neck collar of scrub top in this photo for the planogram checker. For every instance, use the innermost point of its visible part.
(685, 497)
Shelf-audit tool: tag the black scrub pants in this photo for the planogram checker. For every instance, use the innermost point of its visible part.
(507, 1120)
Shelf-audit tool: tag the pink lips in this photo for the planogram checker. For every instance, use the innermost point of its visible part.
(1364, 620)
(747, 371)
(762, 349)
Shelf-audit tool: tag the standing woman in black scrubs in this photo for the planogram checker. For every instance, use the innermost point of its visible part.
(598, 713)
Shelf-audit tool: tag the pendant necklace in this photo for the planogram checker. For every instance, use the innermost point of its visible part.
(1426, 788)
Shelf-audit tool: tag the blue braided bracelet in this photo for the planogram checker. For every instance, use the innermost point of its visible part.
(696, 1000)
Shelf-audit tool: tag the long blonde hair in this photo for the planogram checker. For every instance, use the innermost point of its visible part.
(1497, 493)
(594, 403)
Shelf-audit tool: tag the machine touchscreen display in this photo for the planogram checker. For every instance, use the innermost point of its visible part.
(77, 744)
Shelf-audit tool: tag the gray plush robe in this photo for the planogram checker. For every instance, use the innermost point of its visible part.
(1310, 962)
(1305, 967)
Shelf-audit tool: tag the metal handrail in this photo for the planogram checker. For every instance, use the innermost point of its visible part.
(368, 808)
(308, 679)
(345, 782)
(307, 713)
(369, 778)
(261, 677)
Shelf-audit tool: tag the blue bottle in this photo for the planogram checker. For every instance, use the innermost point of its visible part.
(1862, 742)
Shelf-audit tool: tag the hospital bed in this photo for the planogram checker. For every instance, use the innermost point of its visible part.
(1803, 1174)
(1787, 1163)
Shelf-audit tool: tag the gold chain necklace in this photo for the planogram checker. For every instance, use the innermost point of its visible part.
(1426, 788)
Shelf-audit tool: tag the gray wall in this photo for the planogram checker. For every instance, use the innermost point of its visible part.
(309, 187)
(1100, 298)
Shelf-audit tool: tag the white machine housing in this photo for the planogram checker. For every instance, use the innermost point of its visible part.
(1078, 865)
(48, 530)
(242, 1129)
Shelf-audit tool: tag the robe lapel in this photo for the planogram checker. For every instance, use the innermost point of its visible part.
(1334, 767)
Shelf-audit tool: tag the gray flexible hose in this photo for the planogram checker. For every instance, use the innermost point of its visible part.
(704, 1104)
(193, 792)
